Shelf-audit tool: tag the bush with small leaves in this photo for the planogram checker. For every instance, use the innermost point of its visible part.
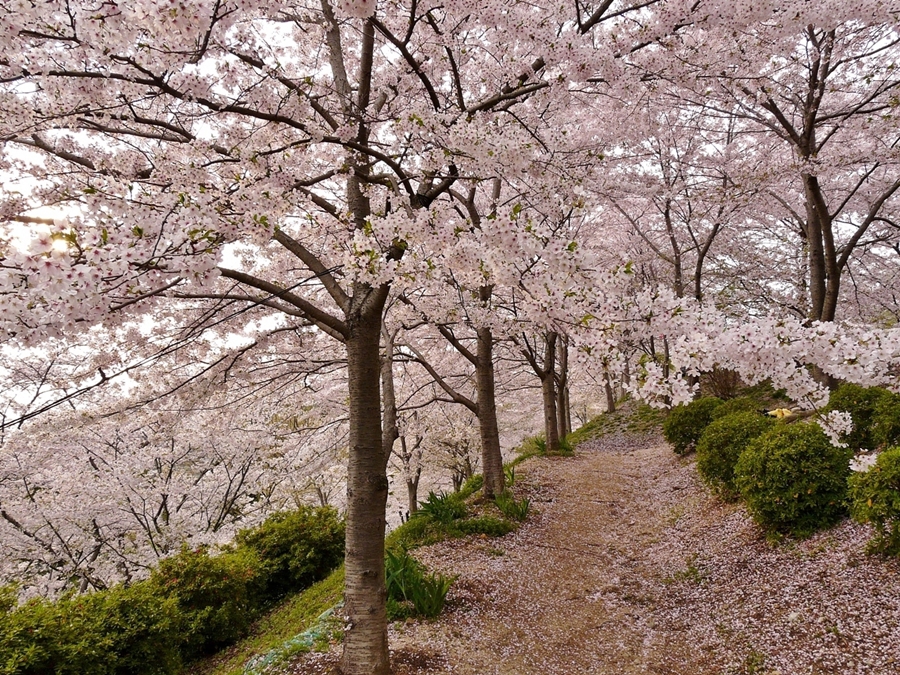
(686, 423)
(793, 480)
(861, 403)
(129, 630)
(295, 548)
(875, 499)
(741, 404)
(721, 445)
(218, 596)
(886, 421)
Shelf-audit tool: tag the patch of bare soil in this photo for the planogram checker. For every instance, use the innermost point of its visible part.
(629, 565)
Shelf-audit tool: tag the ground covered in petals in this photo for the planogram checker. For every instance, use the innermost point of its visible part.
(629, 565)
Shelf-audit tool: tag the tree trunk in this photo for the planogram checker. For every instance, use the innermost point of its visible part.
(412, 492)
(562, 389)
(610, 394)
(491, 457)
(365, 640)
(816, 220)
(548, 389)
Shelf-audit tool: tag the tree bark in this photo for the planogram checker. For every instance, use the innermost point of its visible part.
(548, 390)
(365, 641)
(491, 456)
(610, 394)
(562, 389)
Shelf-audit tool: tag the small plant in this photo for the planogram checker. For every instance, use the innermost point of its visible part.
(793, 479)
(722, 443)
(686, 423)
(510, 473)
(442, 508)
(411, 590)
(510, 508)
(565, 447)
(875, 499)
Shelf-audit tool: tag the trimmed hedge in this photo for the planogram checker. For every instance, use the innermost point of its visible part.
(721, 445)
(686, 423)
(193, 604)
(793, 480)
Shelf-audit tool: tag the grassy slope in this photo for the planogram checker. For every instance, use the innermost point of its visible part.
(292, 616)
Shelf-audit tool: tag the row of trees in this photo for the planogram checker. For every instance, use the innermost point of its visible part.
(351, 210)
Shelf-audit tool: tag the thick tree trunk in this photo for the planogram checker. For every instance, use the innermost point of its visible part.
(491, 457)
(816, 221)
(365, 641)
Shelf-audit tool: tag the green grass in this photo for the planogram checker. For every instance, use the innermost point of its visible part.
(629, 417)
(290, 617)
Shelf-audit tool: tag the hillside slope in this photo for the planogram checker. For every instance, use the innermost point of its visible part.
(631, 566)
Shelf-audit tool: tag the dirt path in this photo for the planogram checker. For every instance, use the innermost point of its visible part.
(630, 566)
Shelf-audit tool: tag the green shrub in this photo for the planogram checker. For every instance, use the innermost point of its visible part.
(685, 423)
(471, 486)
(741, 404)
(861, 403)
(793, 479)
(442, 508)
(411, 590)
(125, 631)
(722, 443)
(487, 525)
(886, 421)
(295, 548)
(875, 499)
(218, 596)
(510, 508)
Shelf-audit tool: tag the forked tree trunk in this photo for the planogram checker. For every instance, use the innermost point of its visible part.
(491, 456)
(365, 641)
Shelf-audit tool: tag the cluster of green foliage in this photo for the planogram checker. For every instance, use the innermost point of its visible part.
(411, 590)
(685, 424)
(512, 509)
(875, 412)
(291, 562)
(875, 499)
(192, 604)
(740, 404)
(793, 479)
(722, 443)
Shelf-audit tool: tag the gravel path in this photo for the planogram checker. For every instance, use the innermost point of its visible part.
(630, 566)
